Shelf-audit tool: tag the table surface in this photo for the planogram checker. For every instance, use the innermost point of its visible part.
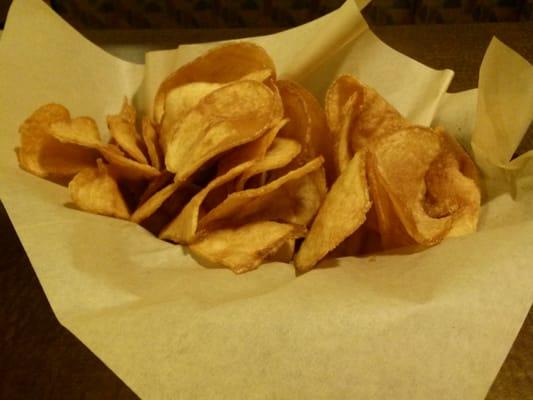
(41, 359)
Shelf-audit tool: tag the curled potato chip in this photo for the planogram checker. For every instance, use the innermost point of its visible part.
(401, 162)
(149, 136)
(341, 214)
(278, 155)
(122, 129)
(95, 190)
(178, 103)
(254, 150)
(154, 202)
(307, 125)
(127, 168)
(42, 154)
(235, 114)
(182, 229)
(452, 188)
(222, 64)
(242, 248)
(81, 131)
(357, 115)
(337, 96)
(243, 204)
(260, 75)
(284, 253)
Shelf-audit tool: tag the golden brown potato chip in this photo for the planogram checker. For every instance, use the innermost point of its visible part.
(278, 155)
(178, 103)
(222, 64)
(343, 153)
(285, 252)
(43, 155)
(242, 249)
(356, 115)
(296, 202)
(392, 233)
(342, 212)
(81, 131)
(95, 190)
(260, 75)
(183, 228)
(243, 204)
(254, 150)
(155, 185)
(235, 114)
(452, 188)
(401, 162)
(337, 95)
(307, 125)
(149, 136)
(122, 129)
(127, 168)
(154, 202)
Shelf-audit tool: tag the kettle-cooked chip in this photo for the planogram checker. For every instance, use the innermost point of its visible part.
(182, 229)
(242, 248)
(250, 151)
(42, 154)
(342, 212)
(149, 136)
(235, 114)
(307, 125)
(221, 64)
(401, 162)
(243, 204)
(278, 155)
(122, 129)
(96, 191)
(125, 167)
(81, 131)
(178, 103)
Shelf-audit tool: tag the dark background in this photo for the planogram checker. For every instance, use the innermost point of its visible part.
(146, 14)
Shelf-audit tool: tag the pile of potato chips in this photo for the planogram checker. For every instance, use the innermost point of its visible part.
(242, 167)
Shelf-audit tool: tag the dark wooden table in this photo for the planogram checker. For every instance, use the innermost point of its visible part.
(39, 359)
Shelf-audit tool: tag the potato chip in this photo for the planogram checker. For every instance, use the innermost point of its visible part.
(260, 75)
(154, 202)
(149, 136)
(392, 233)
(81, 131)
(452, 188)
(284, 254)
(178, 103)
(127, 168)
(296, 202)
(243, 204)
(122, 129)
(155, 185)
(242, 248)
(337, 95)
(401, 161)
(356, 115)
(342, 212)
(222, 64)
(95, 190)
(254, 150)
(307, 125)
(182, 229)
(278, 155)
(171, 207)
(343, 153)
(43, 155)
(235, 114)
